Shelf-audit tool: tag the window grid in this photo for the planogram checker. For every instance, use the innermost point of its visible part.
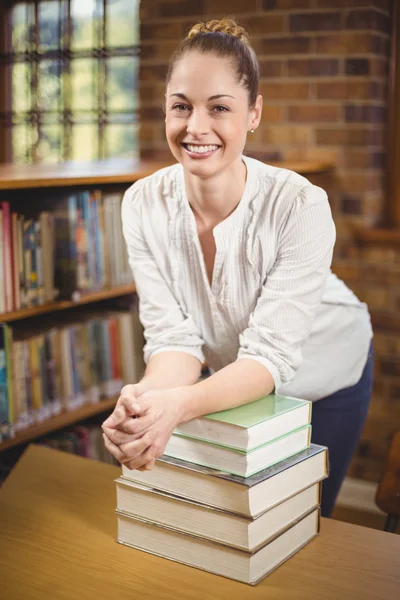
(66, 58)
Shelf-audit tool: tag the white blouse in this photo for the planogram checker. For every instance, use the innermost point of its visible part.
(273, 297)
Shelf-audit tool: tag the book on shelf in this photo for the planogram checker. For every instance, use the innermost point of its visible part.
(55, 367)
(248, 496)
(61, 248)
(215, 557)
(214, 524)
(237, 461)
(246, 427)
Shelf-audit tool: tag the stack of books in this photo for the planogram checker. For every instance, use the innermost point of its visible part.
(236, 493)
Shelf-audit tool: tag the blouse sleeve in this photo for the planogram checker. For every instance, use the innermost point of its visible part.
(292, 291)
(166, 327)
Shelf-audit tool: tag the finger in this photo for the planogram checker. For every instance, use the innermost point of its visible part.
(140, 424)
(121, 412)
(118, 437)
(148, 466)
(140, 461)
(113, 449)
(132, 450)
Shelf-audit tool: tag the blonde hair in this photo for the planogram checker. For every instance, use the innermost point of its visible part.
(227, 39)
(226, 25)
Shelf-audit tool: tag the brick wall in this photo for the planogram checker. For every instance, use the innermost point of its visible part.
(324, 72)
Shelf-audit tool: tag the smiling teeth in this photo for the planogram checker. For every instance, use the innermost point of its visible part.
(201, 149)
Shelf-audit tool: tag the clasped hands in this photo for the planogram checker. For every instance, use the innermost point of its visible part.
(141, 424)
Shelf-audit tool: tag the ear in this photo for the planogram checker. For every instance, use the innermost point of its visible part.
(255, 113)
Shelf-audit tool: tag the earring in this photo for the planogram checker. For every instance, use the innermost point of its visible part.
(251, 130)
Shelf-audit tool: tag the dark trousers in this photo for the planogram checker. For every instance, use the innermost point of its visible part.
(337, 422)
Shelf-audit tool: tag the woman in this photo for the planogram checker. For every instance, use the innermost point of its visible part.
(231, 258)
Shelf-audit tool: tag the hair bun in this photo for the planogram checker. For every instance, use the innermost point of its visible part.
(228, 26)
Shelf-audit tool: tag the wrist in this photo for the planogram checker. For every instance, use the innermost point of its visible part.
(186, 397)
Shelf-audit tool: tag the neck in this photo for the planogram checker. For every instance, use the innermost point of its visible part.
(213, 200)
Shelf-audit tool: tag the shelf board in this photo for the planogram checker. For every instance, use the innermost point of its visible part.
(33, 311)
(121, 170)
(59, 422)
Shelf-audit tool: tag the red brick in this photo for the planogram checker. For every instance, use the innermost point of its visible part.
(345, 43)
(284, 134)
(314, 113)
(346, 89)
(347, 136)
(153, 73)
(313, 67)
(271, 68)
(221, 8)
(264, 24)
(379, 67)
(150, 113)
(181, 8)
(364, 113)
(272, 114)
(286, 45)
(161, 31)
(273, 90)
(357, 66)
(315, 21)
(367, 19)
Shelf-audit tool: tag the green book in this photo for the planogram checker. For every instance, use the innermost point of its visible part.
(251, 425)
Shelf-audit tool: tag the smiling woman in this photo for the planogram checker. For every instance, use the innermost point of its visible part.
(231, 260)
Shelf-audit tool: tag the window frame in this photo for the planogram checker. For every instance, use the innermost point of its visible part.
(99, 52)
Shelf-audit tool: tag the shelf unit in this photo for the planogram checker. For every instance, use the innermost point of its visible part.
(106, 173)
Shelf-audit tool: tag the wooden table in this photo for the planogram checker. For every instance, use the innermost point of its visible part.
(57, 542)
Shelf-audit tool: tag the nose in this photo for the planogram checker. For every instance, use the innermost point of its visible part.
(198, 124)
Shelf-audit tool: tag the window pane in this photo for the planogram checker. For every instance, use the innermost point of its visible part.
(22, 19)
(84, 141)
(49, 147)
(121, 81)
(22, 140)
(83, 24)
(21, 87)
(49, 85)
(49, 22)
(122, 23)
(84, 84)
(121, 140)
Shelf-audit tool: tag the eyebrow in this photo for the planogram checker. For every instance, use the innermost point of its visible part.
(215, 97)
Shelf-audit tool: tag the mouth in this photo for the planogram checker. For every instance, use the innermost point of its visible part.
(200, 150)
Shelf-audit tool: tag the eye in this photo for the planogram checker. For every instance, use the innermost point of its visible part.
(180, 107)
(220, 109)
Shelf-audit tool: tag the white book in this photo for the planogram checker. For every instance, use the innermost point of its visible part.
(234, 461)
(213, 557)
(211, 523)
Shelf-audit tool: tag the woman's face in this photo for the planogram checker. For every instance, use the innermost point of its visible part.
(207, 114)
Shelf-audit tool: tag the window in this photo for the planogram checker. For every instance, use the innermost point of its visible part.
(70, 68)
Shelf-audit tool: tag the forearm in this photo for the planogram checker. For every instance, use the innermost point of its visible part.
(241, 382)
(172, 369)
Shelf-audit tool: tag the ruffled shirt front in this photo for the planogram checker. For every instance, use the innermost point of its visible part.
(273, 297)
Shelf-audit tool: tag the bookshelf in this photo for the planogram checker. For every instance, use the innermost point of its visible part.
(22, 186)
